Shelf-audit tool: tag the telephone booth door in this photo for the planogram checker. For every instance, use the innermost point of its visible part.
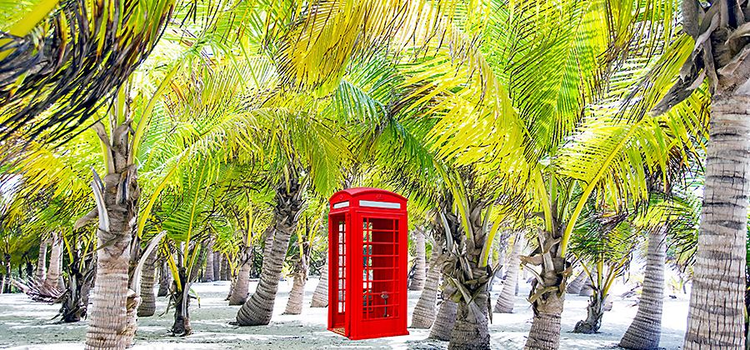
(337, 267)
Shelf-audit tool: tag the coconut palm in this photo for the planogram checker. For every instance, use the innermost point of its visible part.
(717, 57)
(506, 299)
(418, 280)
(301, 249)
(603, 244)
(320, 295)
(425, 310)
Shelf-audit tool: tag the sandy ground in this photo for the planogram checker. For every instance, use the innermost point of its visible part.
(25, 324)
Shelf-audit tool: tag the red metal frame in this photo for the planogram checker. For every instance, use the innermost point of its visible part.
(368, 242)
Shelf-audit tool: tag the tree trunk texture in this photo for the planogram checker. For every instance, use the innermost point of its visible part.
(41, 262)
(545, 326)
(470, 331)
(424, 312)
(165, 279)
(259, 308)
(238, 294)
(507, 297)
(717, 310)
(320, 296)
(181, 298)
(644, 332)
(577, 284)
(224, 271)
(208, 274)
(294, 303)
(594, 314)
(445, 318)
(547, 295)
(55, 260)
(148, 300)
(217, 266)
(108, 319)
(417, 282)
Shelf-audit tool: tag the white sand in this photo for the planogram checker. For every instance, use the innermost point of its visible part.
(25, 324)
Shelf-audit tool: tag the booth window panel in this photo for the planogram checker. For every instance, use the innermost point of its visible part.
(380, 268)
(341, 275)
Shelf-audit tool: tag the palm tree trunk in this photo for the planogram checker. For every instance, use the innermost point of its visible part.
(217, 266)
(259, 308)
(507, 297)
(577, 284)
(594, 314)
(445, 318)
(238, 294)
(424, 312)
(117, 204)
(181, 325)
(417, 282)
(320, 296)
(717, 309)
(208, 274)
(147, 307)
(294, 303)
(165, 279)
(224, 271)
(547, 296)
(41, 262)
(53, 273)
(645, 331)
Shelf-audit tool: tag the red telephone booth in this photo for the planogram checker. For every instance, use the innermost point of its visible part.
(367, 232)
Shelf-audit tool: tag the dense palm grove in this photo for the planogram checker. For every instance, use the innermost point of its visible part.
(175, 141)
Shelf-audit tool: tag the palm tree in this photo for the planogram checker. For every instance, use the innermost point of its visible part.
(418, 280)
(320, 295)
(424, 312)
(54, 272)
(41, 262)
(289, 205)
(507, 297)
(718, 57)
(301, 250)
(148, 300)
(645, 330)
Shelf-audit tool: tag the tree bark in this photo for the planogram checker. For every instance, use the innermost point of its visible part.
(507, 297)
(294, 303)
(594, 314)
(238, 294)
(118, 206)
(208, 274)
(259, 308)
(717, 311)
(217, 266)
(417, 282)
(424, 312)
(644, 332)
(224, 271)
(181, 297)
(165, 279)
(41, 262)
(547, 295)
(320, 296)
(577, 284)
(147, 307)
(55, 259)
(445, 318)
